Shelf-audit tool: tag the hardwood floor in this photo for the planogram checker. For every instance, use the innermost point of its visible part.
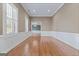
(43, 46)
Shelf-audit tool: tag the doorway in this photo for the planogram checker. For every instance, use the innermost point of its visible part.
(36, 27)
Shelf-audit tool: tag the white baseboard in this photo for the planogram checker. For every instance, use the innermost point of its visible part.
(8, 43)
(71, 39)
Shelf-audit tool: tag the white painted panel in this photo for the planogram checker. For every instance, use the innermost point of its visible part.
(77, 40)
(71, 39)
(8, 43)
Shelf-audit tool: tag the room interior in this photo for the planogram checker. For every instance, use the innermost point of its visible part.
(39, 29)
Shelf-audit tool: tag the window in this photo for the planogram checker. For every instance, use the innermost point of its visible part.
(36, 27)
(26, 23)
(11, 16)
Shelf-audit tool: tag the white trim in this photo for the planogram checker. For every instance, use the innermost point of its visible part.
(10, 41)
(26, 23)
(58, 9)
(71, 39)
(26, 9)
(16, 29)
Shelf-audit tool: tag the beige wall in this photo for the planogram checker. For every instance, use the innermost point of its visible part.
(67, 19)
(45, 22)
(21, 20)
(1, 23)
(29, 26)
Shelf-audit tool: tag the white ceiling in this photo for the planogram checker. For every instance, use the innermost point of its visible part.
(42, 9)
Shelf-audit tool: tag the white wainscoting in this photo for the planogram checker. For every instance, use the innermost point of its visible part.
(8, 42)
(71, 39)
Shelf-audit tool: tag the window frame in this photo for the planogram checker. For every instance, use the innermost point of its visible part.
(15, 22)
(26, 23)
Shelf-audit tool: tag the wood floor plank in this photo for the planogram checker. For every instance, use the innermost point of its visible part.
(38, 45)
